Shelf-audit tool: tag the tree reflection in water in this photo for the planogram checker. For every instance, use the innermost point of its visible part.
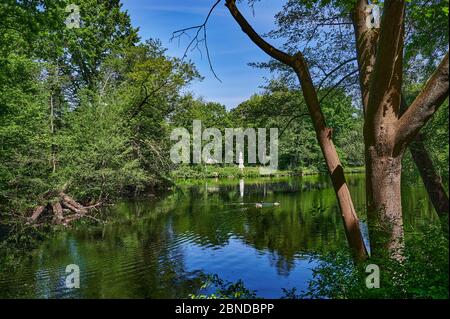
(163, 247)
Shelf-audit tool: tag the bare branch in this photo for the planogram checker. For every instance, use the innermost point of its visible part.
(200, 37)
(290, 121)
(328, 74)
(337, 84)
(138, 109)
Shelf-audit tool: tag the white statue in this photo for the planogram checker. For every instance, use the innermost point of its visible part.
(241, 161)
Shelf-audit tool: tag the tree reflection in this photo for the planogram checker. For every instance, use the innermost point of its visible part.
(162, 247)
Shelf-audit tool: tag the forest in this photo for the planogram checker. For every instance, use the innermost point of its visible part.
(360, 103)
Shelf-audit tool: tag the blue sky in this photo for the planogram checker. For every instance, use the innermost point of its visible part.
(230, 49)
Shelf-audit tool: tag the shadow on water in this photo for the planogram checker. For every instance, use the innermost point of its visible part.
(163, 247)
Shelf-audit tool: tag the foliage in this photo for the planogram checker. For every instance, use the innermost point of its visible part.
(210, 113)
(223, 289)
(285, 109)
(86, 108)
(422, 274)
(322, 30)
(24, 133)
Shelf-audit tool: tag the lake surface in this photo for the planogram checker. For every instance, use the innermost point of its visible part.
(161, 247)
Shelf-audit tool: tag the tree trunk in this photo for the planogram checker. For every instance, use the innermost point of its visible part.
(336, 172)
(384, 206)
(335, 169)
(52, 131)
(366, 46)
(387, 132)
(431, 179)
(323, 133)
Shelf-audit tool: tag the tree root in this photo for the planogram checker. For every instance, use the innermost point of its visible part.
(65, 210)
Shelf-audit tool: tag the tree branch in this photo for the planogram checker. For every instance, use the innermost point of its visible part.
(328, 74)
(197, 39)
(290, 121)
(337, 84)
(256, 38)
(432, 96)
(386, 82)
(366, 44)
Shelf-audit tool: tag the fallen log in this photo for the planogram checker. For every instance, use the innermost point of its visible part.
(37, 212)
(76, 210)
(65, 210)
(58, 212)
(73, 206)
(72, 218)
(67, 199)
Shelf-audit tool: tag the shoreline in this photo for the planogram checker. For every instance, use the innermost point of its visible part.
(251, 172)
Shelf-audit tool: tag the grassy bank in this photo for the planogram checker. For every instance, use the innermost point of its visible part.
(210, 171)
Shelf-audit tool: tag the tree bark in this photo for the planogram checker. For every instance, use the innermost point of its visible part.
(69, 204)
(383, 171)
(385, 206)
(323, 133)
(434, 93)
(386, 133)
(366, 40)
(69, 200)
(380, 56)
(431, 179)
(78, 211)
(366, 45)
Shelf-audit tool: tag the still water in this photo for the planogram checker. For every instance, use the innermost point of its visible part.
(161, 247)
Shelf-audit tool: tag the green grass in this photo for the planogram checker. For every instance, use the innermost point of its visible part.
(232, 172)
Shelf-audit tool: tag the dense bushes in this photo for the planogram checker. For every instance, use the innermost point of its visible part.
(422, 274)
(90, 118)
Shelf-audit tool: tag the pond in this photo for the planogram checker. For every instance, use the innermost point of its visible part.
(161, 247)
